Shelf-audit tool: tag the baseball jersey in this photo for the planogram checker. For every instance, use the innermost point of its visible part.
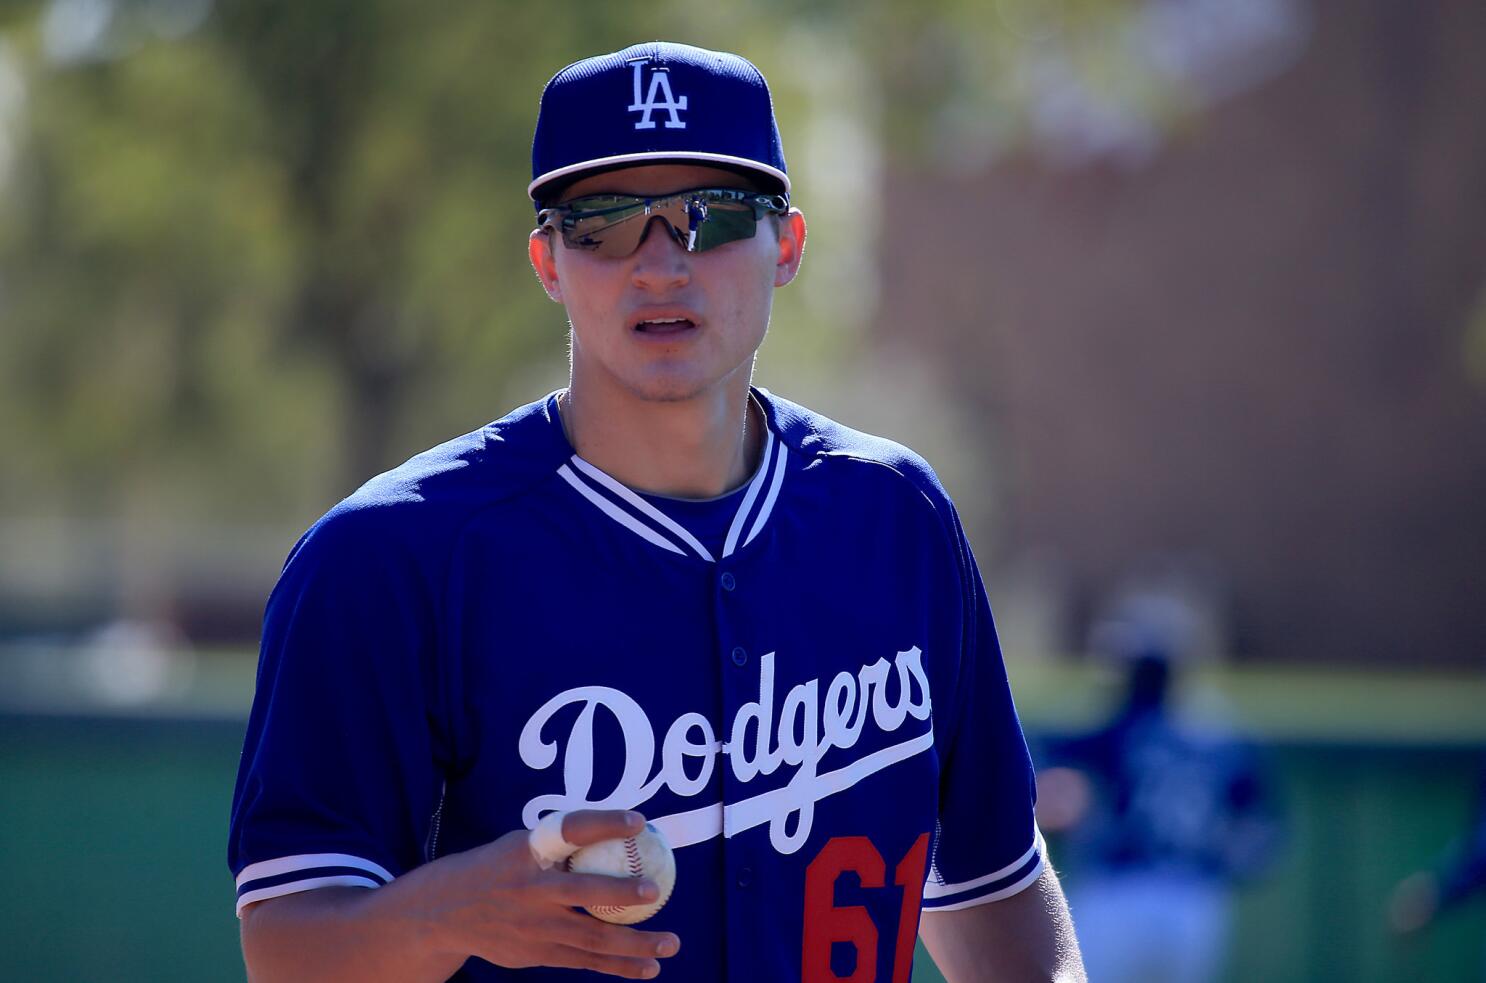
(1173, 799)
(799, 684)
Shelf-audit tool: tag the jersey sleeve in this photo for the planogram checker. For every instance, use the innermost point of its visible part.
(338, 782)
(987, 846)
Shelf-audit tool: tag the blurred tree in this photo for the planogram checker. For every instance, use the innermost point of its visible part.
(147, 254)
(298, 229)
(260, 240)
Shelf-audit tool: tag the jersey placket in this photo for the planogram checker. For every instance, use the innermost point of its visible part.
(746, 730)
(735, 590)
(736, 586)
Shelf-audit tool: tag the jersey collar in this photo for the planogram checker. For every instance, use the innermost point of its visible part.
(623, 506)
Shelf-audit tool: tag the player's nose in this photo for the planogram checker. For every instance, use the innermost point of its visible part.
(661, 259)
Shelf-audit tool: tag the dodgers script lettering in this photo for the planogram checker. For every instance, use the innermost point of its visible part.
(760, 742)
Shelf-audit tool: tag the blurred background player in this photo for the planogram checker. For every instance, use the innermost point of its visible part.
(1163, 816)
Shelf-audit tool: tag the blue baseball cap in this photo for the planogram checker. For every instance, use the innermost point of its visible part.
(656, 103)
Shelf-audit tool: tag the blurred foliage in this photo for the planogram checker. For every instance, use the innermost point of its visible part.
(252, 252)
(231, 253)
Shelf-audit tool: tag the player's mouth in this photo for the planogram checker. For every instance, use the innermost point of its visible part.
(664, 324)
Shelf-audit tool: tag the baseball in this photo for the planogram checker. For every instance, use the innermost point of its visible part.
(646, 854)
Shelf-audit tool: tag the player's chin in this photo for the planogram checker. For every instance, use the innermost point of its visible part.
(668, 390)
(681, 377)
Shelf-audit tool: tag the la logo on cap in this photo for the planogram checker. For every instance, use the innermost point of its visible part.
(660, 84)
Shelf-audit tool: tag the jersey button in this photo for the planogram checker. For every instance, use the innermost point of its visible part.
(745, 876)
(729, 581)
(739, 656)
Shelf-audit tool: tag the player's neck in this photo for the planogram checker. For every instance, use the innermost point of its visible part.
(696, 448)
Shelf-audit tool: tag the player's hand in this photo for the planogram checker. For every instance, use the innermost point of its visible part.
(1414, 902)
(495, 902)
(1064, 797)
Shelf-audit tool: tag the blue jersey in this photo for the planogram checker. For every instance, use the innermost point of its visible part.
(799, 683)
(1172, 799)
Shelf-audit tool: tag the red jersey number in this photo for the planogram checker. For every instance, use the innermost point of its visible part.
(827, 924)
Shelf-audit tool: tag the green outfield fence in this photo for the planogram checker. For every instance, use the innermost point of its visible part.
(112, 837)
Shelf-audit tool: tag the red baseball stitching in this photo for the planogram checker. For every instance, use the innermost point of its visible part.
(632, 854)
(636, 869)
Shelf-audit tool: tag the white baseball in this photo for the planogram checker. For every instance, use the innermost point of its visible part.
(646, 854)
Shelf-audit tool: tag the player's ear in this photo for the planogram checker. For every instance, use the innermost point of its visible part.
(791, 246)
(540, 249)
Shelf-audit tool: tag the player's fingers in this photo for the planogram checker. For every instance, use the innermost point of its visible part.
(626, 966)
(583, 932)
(598, 889)
(588, 826)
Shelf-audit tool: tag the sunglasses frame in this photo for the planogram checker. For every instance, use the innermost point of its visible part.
(564, 218)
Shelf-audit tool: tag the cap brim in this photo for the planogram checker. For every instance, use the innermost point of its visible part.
(573, 171)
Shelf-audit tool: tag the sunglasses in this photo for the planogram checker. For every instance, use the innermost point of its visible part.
(613, 226)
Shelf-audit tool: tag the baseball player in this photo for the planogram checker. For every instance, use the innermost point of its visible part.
(660, 593)
(1171, 816)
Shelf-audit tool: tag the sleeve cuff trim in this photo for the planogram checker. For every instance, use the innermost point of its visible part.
(307, 884)
(1020, 885)
(303, 872)
(933, 890)
(306, 862)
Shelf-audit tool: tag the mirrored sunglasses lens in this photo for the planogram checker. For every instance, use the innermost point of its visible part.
(726, 223)
(614, 226)
(611, 232)
(616, 238)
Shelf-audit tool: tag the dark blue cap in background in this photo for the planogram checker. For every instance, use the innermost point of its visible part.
(656, 103)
